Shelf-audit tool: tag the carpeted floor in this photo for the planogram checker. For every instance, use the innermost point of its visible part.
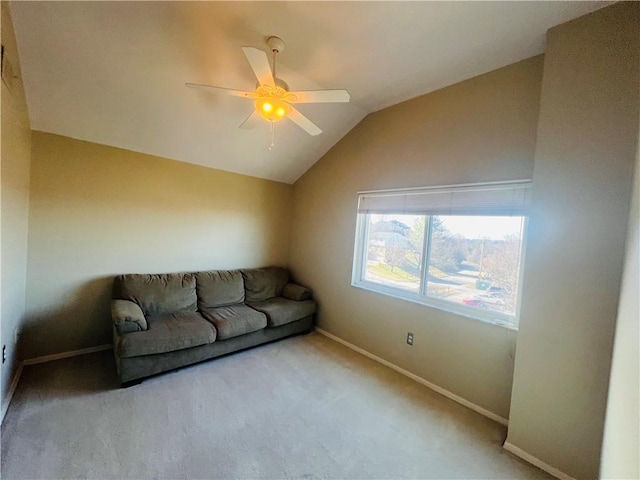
(305, 407)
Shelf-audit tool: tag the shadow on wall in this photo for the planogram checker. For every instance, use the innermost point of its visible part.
(84, 314)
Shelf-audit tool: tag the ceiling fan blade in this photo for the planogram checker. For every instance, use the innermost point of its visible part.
(251, 121)
(303, 122)
(320, 96)
(260, 65)
(228, 91)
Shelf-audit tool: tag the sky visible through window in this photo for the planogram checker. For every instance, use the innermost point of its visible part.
(475, 227)
(471, 227)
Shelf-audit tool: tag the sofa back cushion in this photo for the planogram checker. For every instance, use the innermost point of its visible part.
(219, 288)
(160, 294)
(264, 283)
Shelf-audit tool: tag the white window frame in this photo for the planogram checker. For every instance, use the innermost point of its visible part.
(421, 297)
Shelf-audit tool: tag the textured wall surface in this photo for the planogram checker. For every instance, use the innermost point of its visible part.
(14, 188)
(582, 186)
(483, 129)
(621, 447)
(99, 211)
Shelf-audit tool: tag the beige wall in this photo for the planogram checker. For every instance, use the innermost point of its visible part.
(483, 129)
(14, 188)
(621, 447)
(98, 211)
(582, 183)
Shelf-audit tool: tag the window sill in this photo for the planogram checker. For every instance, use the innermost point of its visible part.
(492, 318)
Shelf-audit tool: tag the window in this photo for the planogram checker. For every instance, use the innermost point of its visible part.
(454, 248)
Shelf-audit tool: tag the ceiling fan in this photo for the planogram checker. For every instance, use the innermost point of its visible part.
(272, 99)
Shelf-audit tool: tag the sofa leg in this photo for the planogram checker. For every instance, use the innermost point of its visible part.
(131, 383)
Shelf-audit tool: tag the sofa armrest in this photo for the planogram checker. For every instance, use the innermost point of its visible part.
(127, 316)
(296, 292)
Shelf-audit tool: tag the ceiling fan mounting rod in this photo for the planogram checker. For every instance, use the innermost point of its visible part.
(275, 54)
(276, 44)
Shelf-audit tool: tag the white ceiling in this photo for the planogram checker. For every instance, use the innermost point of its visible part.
(114, 72)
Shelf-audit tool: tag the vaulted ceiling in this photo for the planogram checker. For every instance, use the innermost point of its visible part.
(114, 72)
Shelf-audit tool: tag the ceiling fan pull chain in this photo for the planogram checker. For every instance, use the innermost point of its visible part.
(273, 136)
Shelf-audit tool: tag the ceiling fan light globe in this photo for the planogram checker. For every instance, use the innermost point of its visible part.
(271, 109)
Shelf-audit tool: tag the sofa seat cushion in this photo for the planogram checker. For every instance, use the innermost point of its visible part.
(167, 333)
(235, 320)
(280, 310)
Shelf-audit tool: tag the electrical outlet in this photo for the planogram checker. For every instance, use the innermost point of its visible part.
(409, 338)
(4, 353)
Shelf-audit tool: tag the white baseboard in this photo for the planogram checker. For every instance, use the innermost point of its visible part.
(412, 376)
(12, 390)
(518, 452)
(73, 353)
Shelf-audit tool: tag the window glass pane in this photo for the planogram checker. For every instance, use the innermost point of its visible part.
(394, 247)
(475, 261)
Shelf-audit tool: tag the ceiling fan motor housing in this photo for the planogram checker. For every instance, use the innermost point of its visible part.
(281, 83)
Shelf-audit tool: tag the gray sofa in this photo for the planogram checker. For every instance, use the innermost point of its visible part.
(166, 321)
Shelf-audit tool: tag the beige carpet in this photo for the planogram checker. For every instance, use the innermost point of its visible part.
(305, 407)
